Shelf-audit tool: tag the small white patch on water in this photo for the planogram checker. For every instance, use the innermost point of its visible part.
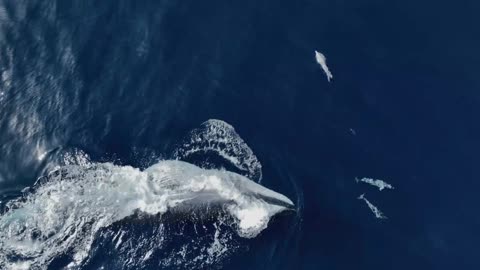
(252, 218)
(147, 255)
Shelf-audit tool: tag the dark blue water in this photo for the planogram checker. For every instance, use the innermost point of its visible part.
(125, 81)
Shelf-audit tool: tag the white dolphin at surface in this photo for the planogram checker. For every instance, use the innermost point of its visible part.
(380, 184)
(322, 61)
(378, 214)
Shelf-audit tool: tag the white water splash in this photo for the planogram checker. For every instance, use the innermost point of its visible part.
(378, 214)
(322, 61)
(221, 138)
(380, 184)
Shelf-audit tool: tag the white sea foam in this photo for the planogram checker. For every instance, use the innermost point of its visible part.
(65, 211)
(221, 138)
(380, 184)
(322, 61)
(373, 208)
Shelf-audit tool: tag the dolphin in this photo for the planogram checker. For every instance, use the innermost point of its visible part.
(322, 61)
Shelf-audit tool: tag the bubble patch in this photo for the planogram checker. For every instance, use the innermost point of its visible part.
(221, 138)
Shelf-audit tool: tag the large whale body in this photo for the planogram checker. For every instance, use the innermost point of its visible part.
(66, 209)
(196, 187)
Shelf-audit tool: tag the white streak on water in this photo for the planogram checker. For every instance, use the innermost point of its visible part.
(147, 255)
(119, 241)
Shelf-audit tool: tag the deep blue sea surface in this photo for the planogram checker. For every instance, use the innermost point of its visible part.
(90, 90)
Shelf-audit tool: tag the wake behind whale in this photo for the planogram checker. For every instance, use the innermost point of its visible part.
(66, 210)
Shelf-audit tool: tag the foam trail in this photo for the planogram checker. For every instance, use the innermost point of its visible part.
(380, 184)
(378, 214)
(322, 61)
(64, 211)
(221, 138)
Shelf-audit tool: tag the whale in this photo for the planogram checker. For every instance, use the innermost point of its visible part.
(67, 208)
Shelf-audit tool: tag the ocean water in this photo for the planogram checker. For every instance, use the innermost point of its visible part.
(204, 135)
